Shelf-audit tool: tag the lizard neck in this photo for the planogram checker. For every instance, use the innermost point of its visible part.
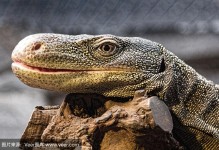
(187, 90)
(190, 96)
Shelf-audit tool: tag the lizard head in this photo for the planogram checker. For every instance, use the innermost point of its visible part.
(104, 64)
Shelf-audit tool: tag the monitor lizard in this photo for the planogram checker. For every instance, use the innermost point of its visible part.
(118, 66)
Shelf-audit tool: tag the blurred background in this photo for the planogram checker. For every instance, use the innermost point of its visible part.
(188, 28)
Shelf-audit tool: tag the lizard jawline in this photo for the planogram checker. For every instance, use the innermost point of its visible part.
(41, 69)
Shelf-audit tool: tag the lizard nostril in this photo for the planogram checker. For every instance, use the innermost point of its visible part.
(36, 46)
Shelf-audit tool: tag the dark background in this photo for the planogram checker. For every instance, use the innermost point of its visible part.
(188, 28)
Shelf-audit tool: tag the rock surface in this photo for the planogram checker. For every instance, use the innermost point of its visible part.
(134, 124)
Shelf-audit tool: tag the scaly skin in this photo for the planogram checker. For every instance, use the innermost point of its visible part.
(118, 66)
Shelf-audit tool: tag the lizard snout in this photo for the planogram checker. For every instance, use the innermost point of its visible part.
(27, 48)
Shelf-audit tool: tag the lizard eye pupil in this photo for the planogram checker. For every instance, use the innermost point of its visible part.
(106, 47)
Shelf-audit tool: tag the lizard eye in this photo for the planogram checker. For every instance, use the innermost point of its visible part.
(107, 49)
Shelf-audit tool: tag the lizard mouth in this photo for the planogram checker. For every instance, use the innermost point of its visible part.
(42, 69)
(23, 66)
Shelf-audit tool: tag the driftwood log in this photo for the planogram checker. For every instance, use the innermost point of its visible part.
(95, 122)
